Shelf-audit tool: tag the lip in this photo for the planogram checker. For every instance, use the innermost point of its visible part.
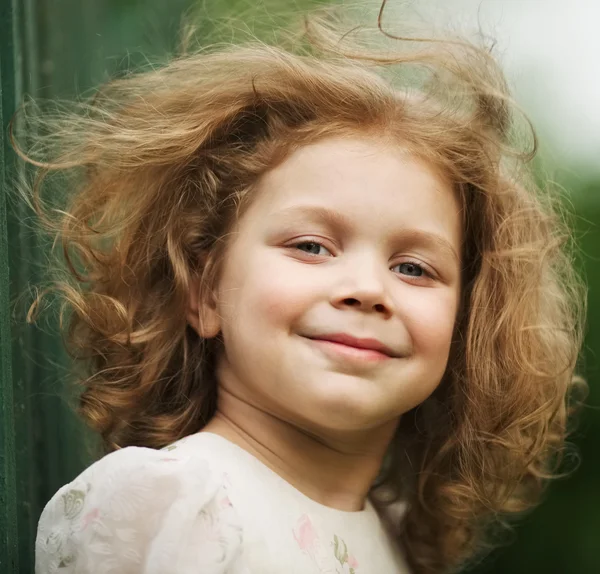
(351, 348)
(347, 353)
(357, 343)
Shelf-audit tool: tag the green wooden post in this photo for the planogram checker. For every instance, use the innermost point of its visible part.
(35, 458)
(8, 472)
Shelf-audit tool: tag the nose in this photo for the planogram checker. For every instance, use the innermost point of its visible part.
(363, 283)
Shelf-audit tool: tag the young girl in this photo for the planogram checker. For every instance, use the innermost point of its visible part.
(329, 323)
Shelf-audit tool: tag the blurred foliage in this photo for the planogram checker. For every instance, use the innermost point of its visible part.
(561, 535)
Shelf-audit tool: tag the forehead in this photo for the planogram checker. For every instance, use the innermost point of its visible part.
(363, 180)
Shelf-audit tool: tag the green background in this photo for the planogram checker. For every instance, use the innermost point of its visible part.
(60, 48)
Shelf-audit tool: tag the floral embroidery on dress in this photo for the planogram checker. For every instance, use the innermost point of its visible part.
(69, 506)
(309, 542)
(73, 501)
(341, 553)
(177, 443)
(109, 520)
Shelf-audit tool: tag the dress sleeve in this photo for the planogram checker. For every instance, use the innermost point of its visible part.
(141, 511)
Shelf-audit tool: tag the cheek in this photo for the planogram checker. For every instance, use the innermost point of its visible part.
(265, 290)
(431, 324)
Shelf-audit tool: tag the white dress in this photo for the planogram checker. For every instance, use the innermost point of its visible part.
(202, 505)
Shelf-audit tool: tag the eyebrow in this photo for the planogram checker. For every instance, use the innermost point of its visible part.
(339, 222)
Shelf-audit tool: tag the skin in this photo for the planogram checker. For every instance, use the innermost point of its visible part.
(320, 421)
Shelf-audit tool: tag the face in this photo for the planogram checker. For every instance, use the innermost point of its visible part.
(347, 239)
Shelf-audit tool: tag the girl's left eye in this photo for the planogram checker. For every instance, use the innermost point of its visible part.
(411, 269)
(313, 247)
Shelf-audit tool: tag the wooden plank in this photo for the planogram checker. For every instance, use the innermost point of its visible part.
(8, 499)
(24, 253)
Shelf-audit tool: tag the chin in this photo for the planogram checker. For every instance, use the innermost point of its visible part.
(349, 418)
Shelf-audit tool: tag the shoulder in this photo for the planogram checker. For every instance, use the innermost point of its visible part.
(136, 506)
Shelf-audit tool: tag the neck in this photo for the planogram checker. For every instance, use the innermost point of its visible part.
(334, 469)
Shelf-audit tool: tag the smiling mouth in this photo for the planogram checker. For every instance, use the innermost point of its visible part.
(347, 352)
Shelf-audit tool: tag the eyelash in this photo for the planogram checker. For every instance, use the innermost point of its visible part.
(410, 262)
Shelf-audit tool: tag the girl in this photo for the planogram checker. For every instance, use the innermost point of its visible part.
(328, 322)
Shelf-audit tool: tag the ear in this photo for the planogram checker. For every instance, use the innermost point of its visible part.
(202, 315)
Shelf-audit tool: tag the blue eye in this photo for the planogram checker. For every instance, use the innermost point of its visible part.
(412, 269)
(313, 247)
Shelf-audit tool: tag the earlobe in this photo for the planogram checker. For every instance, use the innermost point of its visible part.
(202, 315)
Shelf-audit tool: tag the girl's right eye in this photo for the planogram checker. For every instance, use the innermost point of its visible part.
(310, 247)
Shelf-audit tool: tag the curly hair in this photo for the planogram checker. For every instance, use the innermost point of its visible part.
(155, 170)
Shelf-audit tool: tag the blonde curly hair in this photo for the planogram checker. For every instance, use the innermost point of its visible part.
(155, 170)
